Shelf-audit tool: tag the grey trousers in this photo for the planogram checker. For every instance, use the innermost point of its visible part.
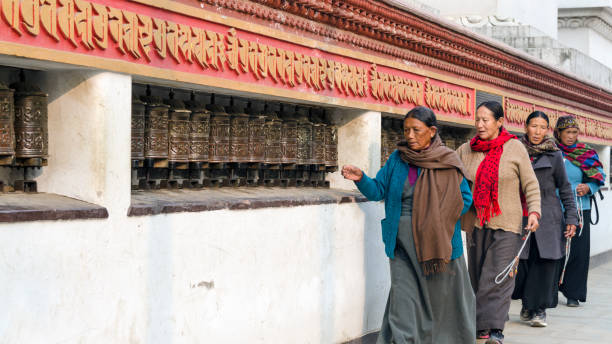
(489, 252)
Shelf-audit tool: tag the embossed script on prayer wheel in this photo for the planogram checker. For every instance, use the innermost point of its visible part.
(219, 134)
(7, 117)
(138, 129)
(31, 133)
(178, 131)
(156, 127)
(274, 128)
(239, 133)
(331, 146)
(257, 137)
(318, 140)
(304, 149)
(199, 130)
(289, 139)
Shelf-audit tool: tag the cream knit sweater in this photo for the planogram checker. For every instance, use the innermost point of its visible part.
(515, 172)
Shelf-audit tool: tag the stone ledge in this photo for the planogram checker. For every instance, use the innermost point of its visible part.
(22, 207)
(177, 201)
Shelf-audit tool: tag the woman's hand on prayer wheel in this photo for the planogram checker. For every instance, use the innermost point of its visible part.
(351, 172)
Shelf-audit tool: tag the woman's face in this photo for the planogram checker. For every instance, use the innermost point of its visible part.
(487, 127)
(536, 130)
(568, 136)
(417, 134)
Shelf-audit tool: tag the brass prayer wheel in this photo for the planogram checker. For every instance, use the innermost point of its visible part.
(331, 145)
(138, 129)
(318, 138)
(178, 130)
(239, 132)
(31, 128)
(257, 134)
(289, 136)
(385, 139)
(156, 126)
(219, 134)
(199, 130)
(304, 129)
(274, 131)
(7, 117)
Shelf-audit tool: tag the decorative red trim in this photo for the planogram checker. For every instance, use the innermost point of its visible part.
(375, 26)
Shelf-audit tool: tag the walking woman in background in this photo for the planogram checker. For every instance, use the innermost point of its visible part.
(499, 167)
(537, 279)
(430, 301)
(586, 176)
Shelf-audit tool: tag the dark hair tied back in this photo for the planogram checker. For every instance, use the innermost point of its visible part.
(423, 114)
(537, 114)
(495, 107)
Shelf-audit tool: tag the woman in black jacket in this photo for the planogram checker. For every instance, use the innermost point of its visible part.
(536, 284)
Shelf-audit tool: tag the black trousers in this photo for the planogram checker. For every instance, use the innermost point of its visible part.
(537, 280)
(575, 282)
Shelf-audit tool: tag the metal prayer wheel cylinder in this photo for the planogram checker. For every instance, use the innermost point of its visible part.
(289, 138)
(304, 130)
(219, 140)
(31, 128)
(7, 118)
(385, 139)
(331, 146)
(318, 139)
(199, 130)
(156, 127)
(274, 134)
(178, 132)
(257, 135)
(138, 129)
(239, 133)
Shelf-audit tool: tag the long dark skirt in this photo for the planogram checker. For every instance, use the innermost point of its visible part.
(437, 309)
(537, 281)
(577, 272)
(489, 252)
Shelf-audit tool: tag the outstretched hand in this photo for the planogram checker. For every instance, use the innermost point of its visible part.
(351, 172)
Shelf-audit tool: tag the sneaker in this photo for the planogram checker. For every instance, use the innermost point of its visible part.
(539, 319)
(495, 337)
(572, 303)
(526, 315)
(482, 334)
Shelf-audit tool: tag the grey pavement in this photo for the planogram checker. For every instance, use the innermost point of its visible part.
(589, 323)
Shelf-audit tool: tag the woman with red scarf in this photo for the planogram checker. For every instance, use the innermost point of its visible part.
(499, 168)
(585, 174)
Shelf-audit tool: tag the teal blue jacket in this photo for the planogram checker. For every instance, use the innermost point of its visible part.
(389, 185)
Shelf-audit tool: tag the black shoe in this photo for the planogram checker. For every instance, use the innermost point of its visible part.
(539, 319)
(496, 337)
(526, 315)
(572, 303)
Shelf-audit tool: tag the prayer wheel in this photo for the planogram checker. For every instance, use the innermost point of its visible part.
(31, 128)
(219, 145)
(274, 132)
(317, 141)
(385, 139)
(156, 127)
(7, 118)
(257, 134)
(138, 129)
(199, 130)
(289, 137)
(239, 132)
(304, 130)
(178, 131)
(331, 146)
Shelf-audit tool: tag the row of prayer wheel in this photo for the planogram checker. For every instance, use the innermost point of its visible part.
(23, 125)
(224, 133)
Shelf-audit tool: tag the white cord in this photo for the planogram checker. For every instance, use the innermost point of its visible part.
(580, 212)
(513, 264)
(568, 250)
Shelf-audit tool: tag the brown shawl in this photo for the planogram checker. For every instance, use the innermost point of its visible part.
(437, 202)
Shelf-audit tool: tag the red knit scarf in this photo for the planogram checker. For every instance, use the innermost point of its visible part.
(487, 175)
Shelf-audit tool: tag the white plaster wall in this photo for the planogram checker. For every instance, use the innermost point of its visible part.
(600, 48)
(255, 276)
(583, 3)
(601, 234)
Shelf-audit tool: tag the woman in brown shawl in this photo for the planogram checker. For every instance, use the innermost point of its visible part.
(431, 300)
